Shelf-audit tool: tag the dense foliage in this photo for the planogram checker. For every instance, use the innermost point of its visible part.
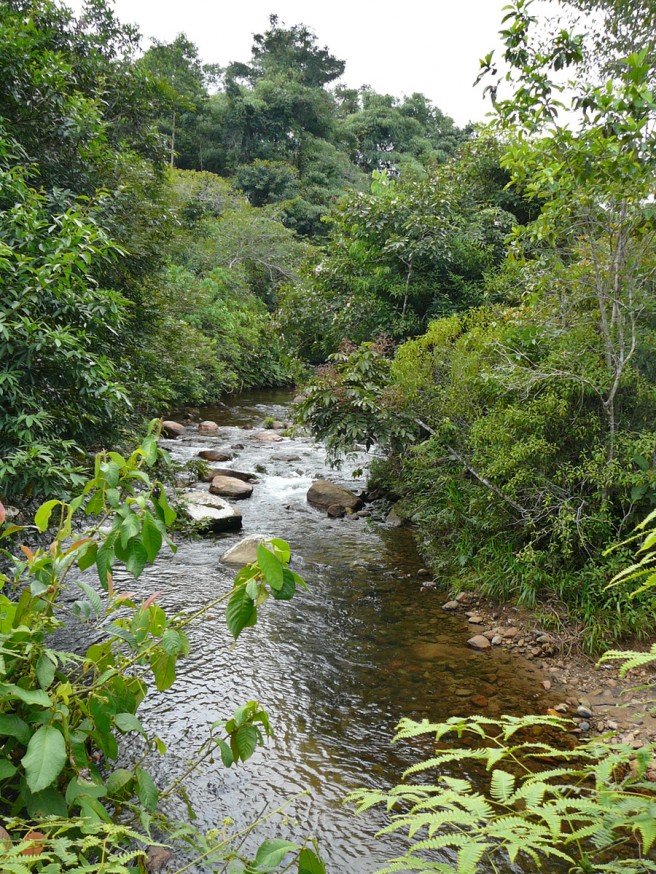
(535, 408)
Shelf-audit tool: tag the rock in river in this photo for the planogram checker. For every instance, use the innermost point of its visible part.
(211, 513)
(231, 487)
(244, 552)
(172, 429)
(243, 475)
(479, 642)
(214, 455)
(324, 494)
(208, 427)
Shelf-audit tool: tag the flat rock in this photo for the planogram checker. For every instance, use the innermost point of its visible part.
(323, 494)
(172, 429)
(269, 437)
(231, 487)
(211, 513)
(214, 455)
(243, 475)
(244, 552)
(285, 456)
(208, 427)
(450, 605)
(479, 642)
(479, 701)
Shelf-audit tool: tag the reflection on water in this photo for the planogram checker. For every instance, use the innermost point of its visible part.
(336, 668)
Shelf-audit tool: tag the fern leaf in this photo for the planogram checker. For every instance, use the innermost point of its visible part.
(502, 785)
(469, 857)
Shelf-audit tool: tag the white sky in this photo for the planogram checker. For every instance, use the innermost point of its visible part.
(431, 46)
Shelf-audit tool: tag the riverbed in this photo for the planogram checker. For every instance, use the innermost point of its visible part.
(335, 668)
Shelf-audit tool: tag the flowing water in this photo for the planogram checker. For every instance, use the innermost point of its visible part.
(336, 667)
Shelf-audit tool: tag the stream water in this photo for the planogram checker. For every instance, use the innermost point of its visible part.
(336, 667)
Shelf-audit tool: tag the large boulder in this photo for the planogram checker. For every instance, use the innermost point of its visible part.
(208, 427)
(215, 455)
(211, 513)
(230, 487)
(172, 429)
(243, 475)
(244, 552)
(323, 495)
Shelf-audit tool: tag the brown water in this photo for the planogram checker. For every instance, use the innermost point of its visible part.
(336, 668)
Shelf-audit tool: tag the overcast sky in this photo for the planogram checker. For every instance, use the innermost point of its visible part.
(432, 46)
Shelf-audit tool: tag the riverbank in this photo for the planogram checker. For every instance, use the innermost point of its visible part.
(593, 695)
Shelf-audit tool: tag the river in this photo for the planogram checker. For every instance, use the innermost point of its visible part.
(335, 668)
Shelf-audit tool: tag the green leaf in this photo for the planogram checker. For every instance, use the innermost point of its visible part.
(13, 726)
(245, 741)
(6, 769)
(129, 722)
(171, 642)
(119, 780)
(88, 557)
(271, 853)
(286, 593)
(42, 517)
(281, 549)
(147, 792)
(37, 698)
(163, 668)
(240, 613)
(165, 512)
(94, 598)
(45, 671)
(270, 566)
(151, 536)
(226, 753)
(137, 558)
(310, 863)
(49, 802)
(105, 562)
(45, 757)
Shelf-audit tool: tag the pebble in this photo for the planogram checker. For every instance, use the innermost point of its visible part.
(497, 639)
(584, 726)
(475, 619)
(584, 711)
(546, 685)
(450, 605)
(479, 701)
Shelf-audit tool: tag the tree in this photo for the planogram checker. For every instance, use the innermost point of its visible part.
(178, 67)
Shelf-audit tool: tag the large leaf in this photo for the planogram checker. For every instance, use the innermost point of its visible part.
(288, 590)
(240, 612)
(271, 853)
(36, 698)
(310, 863)
(13, 726)
(245, 740)
(129, 722)
(42, 517)
(147, 792)
(270, 566)
(45, 757)
(137, 558)
(151, 536)
(45, 671)
(163, 668)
